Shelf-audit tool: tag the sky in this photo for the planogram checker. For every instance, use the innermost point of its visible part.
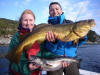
(74, 10)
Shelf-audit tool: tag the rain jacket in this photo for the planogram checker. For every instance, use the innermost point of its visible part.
(68, 49)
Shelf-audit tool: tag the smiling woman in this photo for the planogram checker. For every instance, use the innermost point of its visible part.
(26, 25)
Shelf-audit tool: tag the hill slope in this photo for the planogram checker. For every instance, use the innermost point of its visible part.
(7, 26)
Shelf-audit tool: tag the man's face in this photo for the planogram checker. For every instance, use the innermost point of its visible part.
(55, 10)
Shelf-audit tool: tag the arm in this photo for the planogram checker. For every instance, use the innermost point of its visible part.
(14, 42)
(25, 67)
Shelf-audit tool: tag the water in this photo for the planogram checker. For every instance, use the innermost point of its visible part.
(4, 63)
(90, 55)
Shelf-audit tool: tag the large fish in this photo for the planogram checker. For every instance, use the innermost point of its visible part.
(64, 32)
(51, 64)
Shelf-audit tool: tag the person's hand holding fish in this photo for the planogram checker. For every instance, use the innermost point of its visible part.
(65, 64)
(51, 36)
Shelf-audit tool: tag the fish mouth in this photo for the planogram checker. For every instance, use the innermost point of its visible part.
(92, 23)
(48, 65)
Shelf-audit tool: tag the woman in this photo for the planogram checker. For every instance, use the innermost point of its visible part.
(26, 25)
(57, 47)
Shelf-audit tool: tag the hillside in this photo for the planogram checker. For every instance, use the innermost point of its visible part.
(10, 27)
(7, 26)
(93, 37)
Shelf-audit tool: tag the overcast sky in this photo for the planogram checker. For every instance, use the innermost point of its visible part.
(74, 10)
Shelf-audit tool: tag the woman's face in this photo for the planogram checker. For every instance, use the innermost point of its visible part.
(28, 21)
(55, 10)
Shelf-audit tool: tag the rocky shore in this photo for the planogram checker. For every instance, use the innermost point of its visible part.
(5, 41)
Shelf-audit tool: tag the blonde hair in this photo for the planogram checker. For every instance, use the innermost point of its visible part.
(27, 11)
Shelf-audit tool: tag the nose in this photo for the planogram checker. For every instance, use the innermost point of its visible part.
(55, 12)
(28, 22)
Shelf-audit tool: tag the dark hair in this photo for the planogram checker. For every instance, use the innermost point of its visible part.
(54, 3)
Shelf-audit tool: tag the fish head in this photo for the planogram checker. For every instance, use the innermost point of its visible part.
(81, 28)
(35, 59)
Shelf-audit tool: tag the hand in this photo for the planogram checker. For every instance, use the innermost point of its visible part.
(51, 36)
(65, 64)
(33, 66)
(82, 37)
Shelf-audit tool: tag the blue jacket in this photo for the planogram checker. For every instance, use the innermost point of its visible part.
(63, 48)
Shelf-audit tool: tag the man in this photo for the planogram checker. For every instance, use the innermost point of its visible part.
(57, 47)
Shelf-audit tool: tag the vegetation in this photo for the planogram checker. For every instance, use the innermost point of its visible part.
(10, 27)
(93, 37)
(7, 26)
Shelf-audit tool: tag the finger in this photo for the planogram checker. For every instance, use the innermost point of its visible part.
(64, 64)
(52, 36)
(47, 36)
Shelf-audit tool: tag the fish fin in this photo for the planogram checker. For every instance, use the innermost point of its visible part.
(76, 42)
(70, 37)
(66, 38)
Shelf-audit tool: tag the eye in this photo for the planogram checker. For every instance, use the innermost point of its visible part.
(51, 10)
(31, 20)
(57, 9)
(25, 19)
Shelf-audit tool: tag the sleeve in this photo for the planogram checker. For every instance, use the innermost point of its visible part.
(82, 40)
(23, 65)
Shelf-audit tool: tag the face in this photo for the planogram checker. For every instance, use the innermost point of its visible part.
(28, 21)
(55, 10)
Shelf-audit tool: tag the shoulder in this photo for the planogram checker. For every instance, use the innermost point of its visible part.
(14, 41)
(67, 21)
(16, 35)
